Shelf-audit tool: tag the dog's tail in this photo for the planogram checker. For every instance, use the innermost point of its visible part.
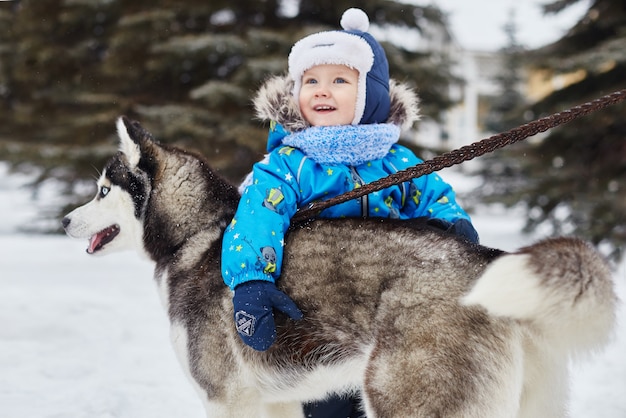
(563, 287)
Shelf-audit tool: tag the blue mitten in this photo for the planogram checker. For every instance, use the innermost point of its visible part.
(462, 228)
(254, 317)
(465, 229)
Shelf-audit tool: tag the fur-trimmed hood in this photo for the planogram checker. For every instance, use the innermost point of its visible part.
(274, 102)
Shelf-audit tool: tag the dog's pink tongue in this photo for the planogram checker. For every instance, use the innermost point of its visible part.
(94, 241)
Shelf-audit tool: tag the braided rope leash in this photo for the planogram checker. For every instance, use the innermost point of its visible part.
(466, 153)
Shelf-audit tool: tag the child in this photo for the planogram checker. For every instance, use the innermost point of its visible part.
(335, 122)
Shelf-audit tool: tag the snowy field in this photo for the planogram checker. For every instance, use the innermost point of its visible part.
(85, 337)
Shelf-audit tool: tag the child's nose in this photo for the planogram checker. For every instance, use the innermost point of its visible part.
(322, 90)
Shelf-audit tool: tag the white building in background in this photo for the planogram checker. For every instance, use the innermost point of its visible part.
(462, 123)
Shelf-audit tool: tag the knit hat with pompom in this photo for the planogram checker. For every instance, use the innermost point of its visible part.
(356, 48)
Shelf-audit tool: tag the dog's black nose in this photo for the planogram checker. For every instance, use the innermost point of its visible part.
(65, 222)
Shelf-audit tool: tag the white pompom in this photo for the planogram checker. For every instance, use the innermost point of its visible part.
(355, 19)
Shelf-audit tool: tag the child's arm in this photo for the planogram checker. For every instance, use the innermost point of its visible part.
(252, 246)
(430, 196)
(252, 251)
(437, 200)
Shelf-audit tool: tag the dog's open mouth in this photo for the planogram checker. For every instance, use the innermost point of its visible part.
(99, 240)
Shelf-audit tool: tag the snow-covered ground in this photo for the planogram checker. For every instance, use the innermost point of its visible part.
(85, 337)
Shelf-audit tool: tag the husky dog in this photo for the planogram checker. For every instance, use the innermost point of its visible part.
(421, 323)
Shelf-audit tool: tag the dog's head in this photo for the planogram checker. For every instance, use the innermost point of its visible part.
(151, 197)
(113, 219)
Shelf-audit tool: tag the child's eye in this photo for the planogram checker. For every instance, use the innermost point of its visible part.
(340, 80)
(310, 81)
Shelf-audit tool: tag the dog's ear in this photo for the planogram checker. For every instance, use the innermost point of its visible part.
(134, 140)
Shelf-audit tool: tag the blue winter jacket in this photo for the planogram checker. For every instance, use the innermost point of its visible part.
(289, 178)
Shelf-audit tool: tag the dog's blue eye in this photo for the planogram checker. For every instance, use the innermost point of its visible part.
(104, 191)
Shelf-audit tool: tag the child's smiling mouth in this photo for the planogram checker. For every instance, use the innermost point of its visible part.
(324, 108)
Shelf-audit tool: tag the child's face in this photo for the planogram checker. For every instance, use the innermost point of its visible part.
(328, 95)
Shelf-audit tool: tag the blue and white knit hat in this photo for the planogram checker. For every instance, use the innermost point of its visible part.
(355, 48)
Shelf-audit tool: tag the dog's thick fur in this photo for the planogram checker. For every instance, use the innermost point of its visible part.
(422, 323)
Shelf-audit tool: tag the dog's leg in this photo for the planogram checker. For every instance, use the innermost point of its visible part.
(283, 410)
(242, 410)
(443, 378)
(545, 385)
(253, 408)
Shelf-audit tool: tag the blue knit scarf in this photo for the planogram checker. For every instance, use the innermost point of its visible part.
(345, 144)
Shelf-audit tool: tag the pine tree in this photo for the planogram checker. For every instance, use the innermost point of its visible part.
(186, 69)
(574, 180)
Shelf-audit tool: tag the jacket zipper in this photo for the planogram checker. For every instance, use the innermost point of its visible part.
(358, 182)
